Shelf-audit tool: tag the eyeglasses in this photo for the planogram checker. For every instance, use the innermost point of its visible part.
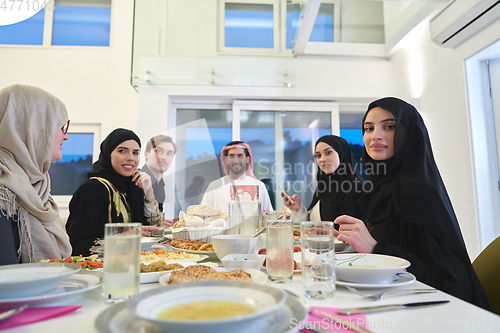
(65, 128)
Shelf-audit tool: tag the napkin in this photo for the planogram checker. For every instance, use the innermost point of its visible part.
(32, 315)
(318, 321)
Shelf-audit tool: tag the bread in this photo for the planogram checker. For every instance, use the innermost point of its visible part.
(205, 273)
(203, 210)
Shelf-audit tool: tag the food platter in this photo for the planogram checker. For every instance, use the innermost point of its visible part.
(210, 254)
(257, 276)
(152, 277)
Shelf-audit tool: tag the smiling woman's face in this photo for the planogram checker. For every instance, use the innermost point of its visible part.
(379, 127)
(125, 158)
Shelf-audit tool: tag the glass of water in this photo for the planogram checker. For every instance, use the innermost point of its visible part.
(122, 252)
(318, 259)
(157, 220)
(279, 250)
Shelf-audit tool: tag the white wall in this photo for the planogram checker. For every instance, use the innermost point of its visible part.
(93, 82)
(436, 76)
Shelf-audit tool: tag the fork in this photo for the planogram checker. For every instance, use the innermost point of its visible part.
(379, 296)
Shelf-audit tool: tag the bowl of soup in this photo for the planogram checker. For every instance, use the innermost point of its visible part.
(368, 267)
(205, 306)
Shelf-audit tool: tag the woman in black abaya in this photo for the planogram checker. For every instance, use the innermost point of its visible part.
(339, 184)
(115, 192)
(409, 213)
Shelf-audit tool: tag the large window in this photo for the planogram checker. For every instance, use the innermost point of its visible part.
(281, 135)
(271, 26)
(68, 22)
(79, 152)
(249, 26)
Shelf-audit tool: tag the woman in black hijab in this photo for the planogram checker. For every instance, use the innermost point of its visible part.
(339, 183)
(115, 192)
(409, 213)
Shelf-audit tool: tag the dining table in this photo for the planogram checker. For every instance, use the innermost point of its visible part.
(454, 316)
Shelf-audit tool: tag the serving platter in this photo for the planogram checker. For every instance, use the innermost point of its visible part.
(64, 292)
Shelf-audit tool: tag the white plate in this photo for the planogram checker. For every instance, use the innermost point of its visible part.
(210, 254)
(400, 279)
(72, 286)
(26, 280)
(116, 318)
(257, 276)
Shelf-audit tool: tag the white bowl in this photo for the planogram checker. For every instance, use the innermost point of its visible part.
(150, 304)
(234, 244)
(24, 280)
(234, 261)
(368, 267)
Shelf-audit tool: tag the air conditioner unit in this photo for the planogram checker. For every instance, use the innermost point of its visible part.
(461, 19)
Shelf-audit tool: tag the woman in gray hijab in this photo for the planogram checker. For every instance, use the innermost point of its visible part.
(33, 126)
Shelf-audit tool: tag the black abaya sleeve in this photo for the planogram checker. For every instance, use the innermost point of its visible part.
(88, 214)
(432, 261)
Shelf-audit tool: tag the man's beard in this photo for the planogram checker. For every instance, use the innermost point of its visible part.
(242, 170)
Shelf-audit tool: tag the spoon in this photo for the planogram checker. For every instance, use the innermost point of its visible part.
(11, 313)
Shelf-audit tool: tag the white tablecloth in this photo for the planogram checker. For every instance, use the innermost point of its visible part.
(456, 316)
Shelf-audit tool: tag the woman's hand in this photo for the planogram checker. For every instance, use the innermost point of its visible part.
(143, 180)
(295, 206)
(146, 230)
(354, 232)
(169, 223)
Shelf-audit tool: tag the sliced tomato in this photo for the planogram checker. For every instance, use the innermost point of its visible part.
(81, 263)
(68, 260)
(296, 249)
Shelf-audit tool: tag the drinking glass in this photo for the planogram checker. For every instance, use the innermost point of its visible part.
(279, 250)
(318, 259)
(121, 271)
(156, 220)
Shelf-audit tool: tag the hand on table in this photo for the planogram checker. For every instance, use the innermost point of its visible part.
(146, 230)
(354, 232)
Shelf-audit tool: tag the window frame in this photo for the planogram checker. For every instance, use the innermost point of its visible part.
(48, 22)
(222, 49)
(336, 22)
(93, 128)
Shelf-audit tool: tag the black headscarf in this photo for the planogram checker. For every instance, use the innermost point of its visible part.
(103, 168)
(336, 191)
(411, 187)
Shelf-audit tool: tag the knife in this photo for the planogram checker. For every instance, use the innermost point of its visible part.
(370, 309)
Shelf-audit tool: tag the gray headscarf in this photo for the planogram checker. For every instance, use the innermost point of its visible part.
(29, 119)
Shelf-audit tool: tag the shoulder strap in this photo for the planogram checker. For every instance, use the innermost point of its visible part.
(117, 198)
